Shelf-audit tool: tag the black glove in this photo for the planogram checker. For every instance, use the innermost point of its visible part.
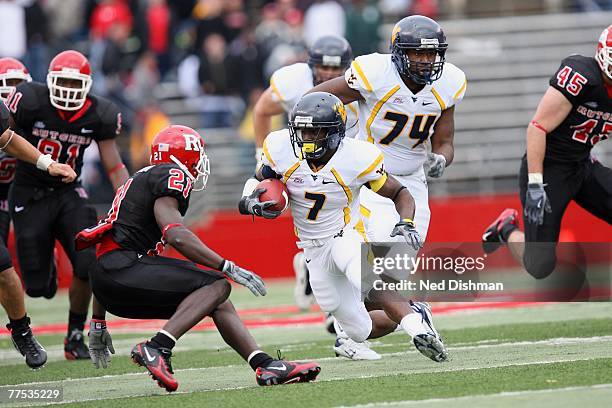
(536, 202)
(251, 205)
(407, 229)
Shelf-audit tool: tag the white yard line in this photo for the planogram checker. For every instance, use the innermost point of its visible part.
(494, 399)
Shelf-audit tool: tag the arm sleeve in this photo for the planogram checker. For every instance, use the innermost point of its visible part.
(111, 122)
(170, 181)
(572, 80)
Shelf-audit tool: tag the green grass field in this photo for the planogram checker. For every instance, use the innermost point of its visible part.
(547, 355)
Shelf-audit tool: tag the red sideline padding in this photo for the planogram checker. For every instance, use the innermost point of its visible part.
(268, 246)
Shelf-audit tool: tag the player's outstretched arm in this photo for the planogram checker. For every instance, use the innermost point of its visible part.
(111, 160)
(264, 109)
(405, 206)
(442, 148)
(552, 111)
(18, 147)
(338, 87)
(189, 245)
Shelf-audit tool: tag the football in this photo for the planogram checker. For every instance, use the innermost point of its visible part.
(275, 191)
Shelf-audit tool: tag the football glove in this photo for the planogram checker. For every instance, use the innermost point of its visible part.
(407, 229)
(100, 343)
(536, 203)
(251, 205)
(436, 163)
(244, 277)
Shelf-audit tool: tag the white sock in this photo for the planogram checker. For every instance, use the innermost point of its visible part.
(412, 324)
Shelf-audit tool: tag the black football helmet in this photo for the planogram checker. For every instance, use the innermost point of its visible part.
(418, 33)
(323, 113)
(330, 51)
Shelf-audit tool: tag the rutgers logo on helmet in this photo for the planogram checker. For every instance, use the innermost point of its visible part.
(69, 80)
(184, 147)
(604, 52)
(12, 73)
(418, 34)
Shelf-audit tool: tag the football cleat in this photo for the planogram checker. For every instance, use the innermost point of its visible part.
(158, 362)
(287, 372)
(75, 347)
(492, 239)
(302, 292)
(25, 343)
(346, 347)
(430, 343)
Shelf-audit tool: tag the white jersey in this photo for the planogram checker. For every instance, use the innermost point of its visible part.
(291, 82)
(393, 118)
(325, 202)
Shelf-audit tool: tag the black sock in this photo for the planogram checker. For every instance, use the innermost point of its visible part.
(20, 325)
(506, 231)
(160, 340)
(76, 321)
(260, 360)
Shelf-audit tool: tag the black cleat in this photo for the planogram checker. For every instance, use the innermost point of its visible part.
(286, 372)
(492, 239)
(25, 342)
(75, 347)
(158, 362)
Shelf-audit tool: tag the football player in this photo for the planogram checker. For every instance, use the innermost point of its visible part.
(328, 58)
(11, 292)
(60, 119)
(574, 114)
(406, 99)
(323, 172)
(130, 279)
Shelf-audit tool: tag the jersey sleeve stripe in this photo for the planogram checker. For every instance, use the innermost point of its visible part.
(360, 228)
(275, 90)
(289, 172)
(364, 211)
(376, 185)
(377, 107)
(371, 166)
(438, 98)
(460, 89)
(349, 196)
(362, 76)
(352, 108)
(267, 153)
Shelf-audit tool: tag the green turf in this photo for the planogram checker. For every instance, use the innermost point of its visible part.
(391, 387)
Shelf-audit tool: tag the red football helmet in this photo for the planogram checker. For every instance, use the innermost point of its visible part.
(184, 146)
(65, 70)
(604, 52)
(12, 73)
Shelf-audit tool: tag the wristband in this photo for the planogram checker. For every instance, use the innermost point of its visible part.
(222, 265)
(535, 178)
(44, 161)
(97, 324)
(409, 220)
(10, 139)
(249, 186)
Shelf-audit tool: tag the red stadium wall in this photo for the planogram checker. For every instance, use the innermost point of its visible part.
(268, 246)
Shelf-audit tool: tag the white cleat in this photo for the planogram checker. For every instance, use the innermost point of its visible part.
(346, 347)
(430, 343)
(301, 292)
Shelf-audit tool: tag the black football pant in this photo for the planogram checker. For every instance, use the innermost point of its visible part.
(588, 183)
(42, 215)
(138, 286)
(5, 256)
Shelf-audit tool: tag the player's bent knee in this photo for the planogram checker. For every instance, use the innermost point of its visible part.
(36, 292)
(357, 332)
(540, 266)
(223, 289)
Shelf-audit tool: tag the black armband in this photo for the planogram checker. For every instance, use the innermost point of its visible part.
(397, 192)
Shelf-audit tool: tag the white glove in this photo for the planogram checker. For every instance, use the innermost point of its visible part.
(435, 165)
(244, 277)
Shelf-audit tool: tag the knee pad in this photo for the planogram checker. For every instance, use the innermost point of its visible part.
(357, 332)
